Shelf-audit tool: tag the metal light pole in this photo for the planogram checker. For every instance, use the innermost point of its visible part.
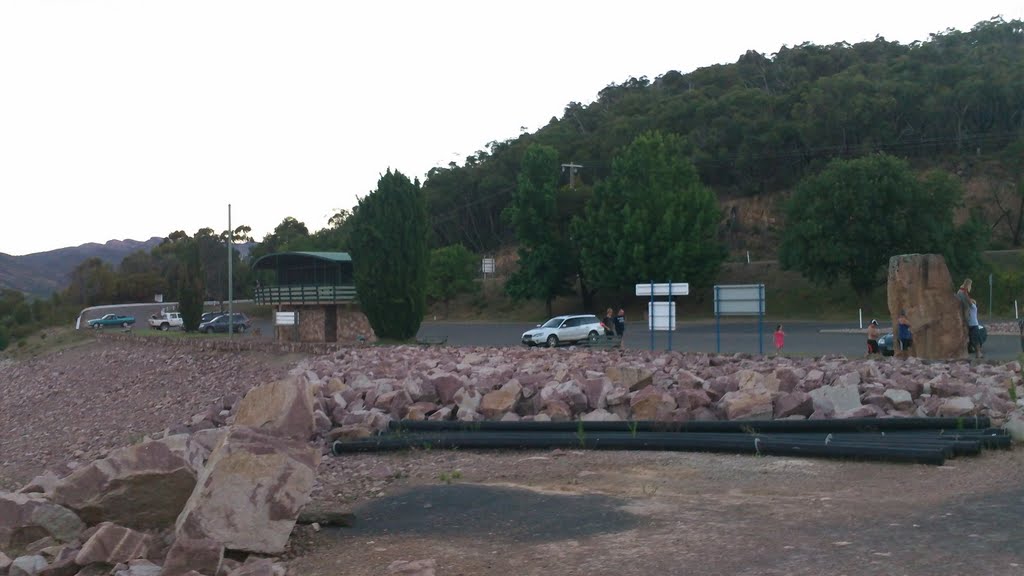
(231, 282)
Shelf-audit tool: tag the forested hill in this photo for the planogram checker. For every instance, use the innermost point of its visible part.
(757, 126)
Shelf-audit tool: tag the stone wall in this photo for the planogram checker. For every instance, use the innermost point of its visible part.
(921, 285)
(352, 325)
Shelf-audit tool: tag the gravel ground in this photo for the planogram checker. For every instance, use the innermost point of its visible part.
(73, 405)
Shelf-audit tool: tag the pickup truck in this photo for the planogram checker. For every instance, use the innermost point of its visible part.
(166, 320)
(111, 320)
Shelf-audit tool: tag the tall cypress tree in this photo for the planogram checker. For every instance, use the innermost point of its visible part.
(391, 256)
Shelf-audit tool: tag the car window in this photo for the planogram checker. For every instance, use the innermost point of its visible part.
(572, 323)
(553, 323)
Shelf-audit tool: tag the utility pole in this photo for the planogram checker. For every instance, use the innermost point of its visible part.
(573, 170)
(231, 282)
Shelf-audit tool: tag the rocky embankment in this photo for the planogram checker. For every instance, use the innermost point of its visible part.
(219, 490)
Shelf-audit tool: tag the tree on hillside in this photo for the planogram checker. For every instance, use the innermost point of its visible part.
(652, 219)
(390, 256)
(452, 272)
(847, 221)
(544, 256)
(92, 282)
(290, 234)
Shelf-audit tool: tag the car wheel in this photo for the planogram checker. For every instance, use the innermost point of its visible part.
(124, 324)
(593, 336)
(552, 341)
(241, 329)
(95, 326)
(165, 326)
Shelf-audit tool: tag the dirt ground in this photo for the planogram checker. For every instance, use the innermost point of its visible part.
(573, 512)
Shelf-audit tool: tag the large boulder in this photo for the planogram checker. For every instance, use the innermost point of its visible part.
(921, 285)
(26, 518)
(113, 544)
(838, 398)
(284, 408)
(750, 404)
(497, 403)
(187, 554)
(250, 493)
(141, 486)
(630, 377)
(652, 403)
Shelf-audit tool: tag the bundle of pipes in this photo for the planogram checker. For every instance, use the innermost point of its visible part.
(918, 440)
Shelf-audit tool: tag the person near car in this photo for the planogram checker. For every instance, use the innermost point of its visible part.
(973, 330)
(620, 324)
(964, 296)
(780, 339)
(609, 322)
(904, 335)
(873, 337)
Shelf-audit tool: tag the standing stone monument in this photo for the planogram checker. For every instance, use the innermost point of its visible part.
(920, 284)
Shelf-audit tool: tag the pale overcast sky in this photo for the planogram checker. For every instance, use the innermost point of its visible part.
(133, 118)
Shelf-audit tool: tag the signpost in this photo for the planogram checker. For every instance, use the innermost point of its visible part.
(739, 300)
(661, 316)
(487, 266)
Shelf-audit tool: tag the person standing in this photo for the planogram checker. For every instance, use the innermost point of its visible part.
(873, 337)
(780, 339)
(964, 296)
(905, 336)
(973, 330)
(620, 325)
(609, 323)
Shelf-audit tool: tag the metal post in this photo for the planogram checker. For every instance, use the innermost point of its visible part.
(671, 315)
(760, 319)
(231, 283)
(718, 325)
(650, 316)
(860, 317)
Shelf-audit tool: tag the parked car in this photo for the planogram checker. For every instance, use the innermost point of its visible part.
(563, 329)
(111, 320)
(240, 323)
(166, 320)
(207, 316)
(887, 344)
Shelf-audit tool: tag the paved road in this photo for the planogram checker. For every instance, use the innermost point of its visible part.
(803, 338)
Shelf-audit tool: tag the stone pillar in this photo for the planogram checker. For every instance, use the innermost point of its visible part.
(921, 285)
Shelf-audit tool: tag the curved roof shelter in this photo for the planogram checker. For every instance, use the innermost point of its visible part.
(308, 268)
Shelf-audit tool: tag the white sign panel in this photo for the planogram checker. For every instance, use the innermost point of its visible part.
(739, 300)
(285, 318)
(488, 266)
(661, 316)
(665, 289)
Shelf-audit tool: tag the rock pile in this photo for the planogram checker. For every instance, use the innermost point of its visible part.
(360, 391)
(178, 504)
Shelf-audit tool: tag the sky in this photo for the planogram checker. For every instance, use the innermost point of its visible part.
(134, 118)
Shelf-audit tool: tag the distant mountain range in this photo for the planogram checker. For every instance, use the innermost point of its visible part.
(43, 273)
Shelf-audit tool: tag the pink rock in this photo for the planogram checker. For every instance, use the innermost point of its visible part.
(283, 408)
(652, 403)
(958, 406)
(703, 414)
(596, 391)
(467, 399)
(721, 386)
(25, 518)
(558, 411)
(692, 398)
(442, 413)
(793, 404)
(599, 415)
(111, 544)
(193, 554)
(446, 386)
(420, 410)
(753, 404)
(499, 402)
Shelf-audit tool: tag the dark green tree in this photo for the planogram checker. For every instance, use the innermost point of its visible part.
(390, 256)
(544, 256)
(191, 289)
(652, 219)
(847, 221)
(452, 272)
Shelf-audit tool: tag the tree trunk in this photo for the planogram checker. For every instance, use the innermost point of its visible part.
(547, 305)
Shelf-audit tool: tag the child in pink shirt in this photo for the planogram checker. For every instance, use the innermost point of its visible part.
(780, 339)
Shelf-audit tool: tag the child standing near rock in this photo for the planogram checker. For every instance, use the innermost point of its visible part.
(904, 335)
(780, 339)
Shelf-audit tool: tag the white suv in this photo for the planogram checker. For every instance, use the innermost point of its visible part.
(562, 329)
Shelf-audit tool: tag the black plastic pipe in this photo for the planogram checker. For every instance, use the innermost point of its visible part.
(823, 425)
(741, 445)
